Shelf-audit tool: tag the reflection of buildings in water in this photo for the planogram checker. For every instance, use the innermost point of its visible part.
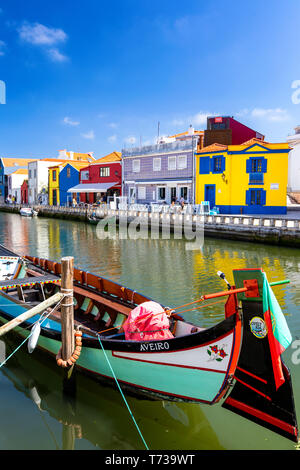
(161, 269)
(219, 258)
(99, 415)
(16, 232)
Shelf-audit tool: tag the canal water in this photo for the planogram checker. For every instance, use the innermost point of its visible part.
(34, 414)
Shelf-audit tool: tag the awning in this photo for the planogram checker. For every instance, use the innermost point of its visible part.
(92, 187)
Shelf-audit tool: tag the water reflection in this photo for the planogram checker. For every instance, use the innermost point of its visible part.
(167, 272)
(98, 417)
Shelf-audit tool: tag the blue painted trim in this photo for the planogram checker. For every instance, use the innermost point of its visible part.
(235, 152)
(248, 210)
(205, 197)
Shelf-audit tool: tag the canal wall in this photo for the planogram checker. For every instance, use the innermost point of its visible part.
(261, 229)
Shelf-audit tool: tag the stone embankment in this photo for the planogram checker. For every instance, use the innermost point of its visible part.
(264, 229)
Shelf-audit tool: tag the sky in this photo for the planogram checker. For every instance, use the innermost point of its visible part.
(98, 76)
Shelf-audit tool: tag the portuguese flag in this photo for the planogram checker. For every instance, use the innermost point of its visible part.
(279, 334)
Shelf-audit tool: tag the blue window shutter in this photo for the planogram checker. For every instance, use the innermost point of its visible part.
(248, 165)
(223, 163)
(248, 197)
(264, 165)
(204, 165)
(263, 197)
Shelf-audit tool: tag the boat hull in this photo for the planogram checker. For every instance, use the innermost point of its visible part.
(193, 368)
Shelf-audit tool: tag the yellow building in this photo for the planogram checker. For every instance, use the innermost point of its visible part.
(53, 187)
(243, 179)
(61, 177)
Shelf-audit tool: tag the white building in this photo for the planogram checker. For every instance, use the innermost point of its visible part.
(38, 180)
(294, 162)
(38, 173)
(15, 181)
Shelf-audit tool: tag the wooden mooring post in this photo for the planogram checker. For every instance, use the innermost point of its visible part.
(67, 323)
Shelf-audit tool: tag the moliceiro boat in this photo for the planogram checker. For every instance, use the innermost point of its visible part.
(236, 362)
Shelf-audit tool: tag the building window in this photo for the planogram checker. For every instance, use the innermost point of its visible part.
(173, 193)
(161, 193)
(217, 164)
(29, 173)
(255, 197)
(184, 192)
(131, 194)
(68, 172)
(85, 175)
(136, 166)
(34, 173)
(142, 192)
(256, 165)
(182, 162)
(171, 163)
(156, 164)
(105, 171)
(54, 175)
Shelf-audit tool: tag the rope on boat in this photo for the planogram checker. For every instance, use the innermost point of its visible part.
(41, 320)
(122, 394)
(74, 356)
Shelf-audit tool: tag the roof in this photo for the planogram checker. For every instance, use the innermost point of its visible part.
(20, 171)
(77, 165)
(213, 148)
(88, 156)
(254, 141)
(9, 162)
(111, 157)
(186, 133)
(240, 147)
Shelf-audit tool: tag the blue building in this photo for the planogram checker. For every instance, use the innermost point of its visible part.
(69, 177)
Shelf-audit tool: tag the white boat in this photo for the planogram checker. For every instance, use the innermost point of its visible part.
(28, 212)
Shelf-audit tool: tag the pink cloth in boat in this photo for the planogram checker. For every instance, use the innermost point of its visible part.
(143, 323)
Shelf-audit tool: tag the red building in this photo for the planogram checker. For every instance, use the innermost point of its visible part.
(24, 192)
(102, 180)
(226, 130)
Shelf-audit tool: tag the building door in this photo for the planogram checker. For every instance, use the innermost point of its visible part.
(173, 193)
(210, 194)
(54, 197)
(132, 193)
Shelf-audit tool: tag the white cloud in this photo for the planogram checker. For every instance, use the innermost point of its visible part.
(70, 122)
(130, 140)
(113, 125)
(88, 135)
(40, 35)
(112, 138)
(271, 114)
(57, 56)
(2, 47)
(43, 36)
(196, 120)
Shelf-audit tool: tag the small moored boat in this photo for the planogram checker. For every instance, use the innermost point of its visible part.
(28, 212)
(236, 362)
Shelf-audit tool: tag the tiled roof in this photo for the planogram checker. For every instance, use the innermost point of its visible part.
(213, 148)
(254, 141)
(112, 157)
(186, 133)
(9, 162)
(20, 171)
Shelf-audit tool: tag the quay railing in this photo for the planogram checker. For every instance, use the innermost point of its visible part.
(217, 221)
